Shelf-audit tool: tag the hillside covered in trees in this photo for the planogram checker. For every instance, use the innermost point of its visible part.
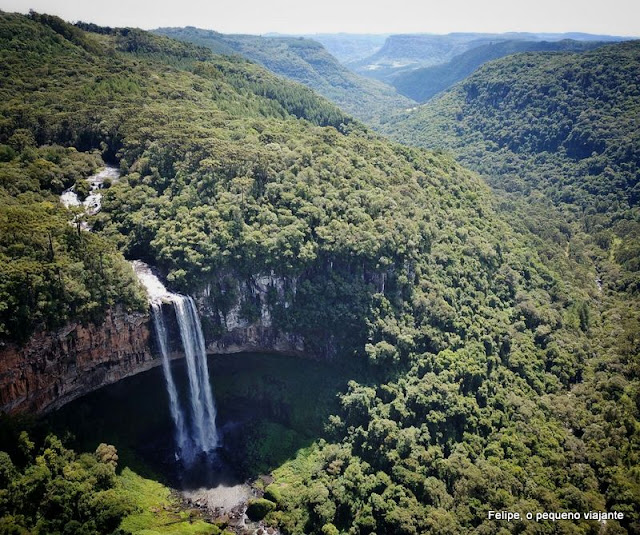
(422, 84)
(564, 125)
(556, 136)
(493, 381)
(305, 61)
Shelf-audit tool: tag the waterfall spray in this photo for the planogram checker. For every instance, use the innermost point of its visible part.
(202, 408)
(182, 440)
(201, 435)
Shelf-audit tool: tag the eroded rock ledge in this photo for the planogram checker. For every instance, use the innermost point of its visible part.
(54, 368)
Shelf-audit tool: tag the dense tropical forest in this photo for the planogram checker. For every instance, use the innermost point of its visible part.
(561, 125)
(556, 137)
(494, 372)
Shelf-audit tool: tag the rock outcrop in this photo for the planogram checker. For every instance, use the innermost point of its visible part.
(55, 367)
(229, 331)
(256, 338)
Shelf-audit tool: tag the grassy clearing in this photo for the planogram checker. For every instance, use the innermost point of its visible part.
(156, 511)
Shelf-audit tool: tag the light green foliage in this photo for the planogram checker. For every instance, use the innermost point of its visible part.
(330, 529)
(155, 511)
(107, 454)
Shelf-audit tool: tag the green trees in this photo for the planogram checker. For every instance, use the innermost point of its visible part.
(303, 61)
(494, 381)
(50, 271)
(559, 124)
(58, 491)
(552, 134)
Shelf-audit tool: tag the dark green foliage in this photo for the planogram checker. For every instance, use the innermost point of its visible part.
(65, 30)
(304, 61)
(259, 508)
(422, 84)
(58, 491)
(542, 104)
(146, 44)
(558, 124)
(554, 134)
(52, 272)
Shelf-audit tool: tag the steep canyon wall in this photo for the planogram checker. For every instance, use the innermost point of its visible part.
(53, 368)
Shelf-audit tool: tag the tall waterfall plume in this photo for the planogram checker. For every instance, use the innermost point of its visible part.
(202, 406)
(199, 434)
(182, 438)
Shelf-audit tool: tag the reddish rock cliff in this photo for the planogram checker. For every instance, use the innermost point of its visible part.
(54, 368)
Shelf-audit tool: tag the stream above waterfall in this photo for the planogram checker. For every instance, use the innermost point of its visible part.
(93, 202)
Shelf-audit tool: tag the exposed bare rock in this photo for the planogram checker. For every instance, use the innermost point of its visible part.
(55, 367)
(236, 333)
(258, 339)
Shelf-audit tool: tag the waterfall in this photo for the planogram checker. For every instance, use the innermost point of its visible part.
(202, 407)
(201, 435)
(182, 440)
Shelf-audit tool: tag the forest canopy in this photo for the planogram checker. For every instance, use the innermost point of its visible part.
(497, 385)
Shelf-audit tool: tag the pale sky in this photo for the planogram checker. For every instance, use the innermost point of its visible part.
(614, 17)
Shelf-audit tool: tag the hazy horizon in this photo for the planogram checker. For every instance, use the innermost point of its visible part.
(618, 17)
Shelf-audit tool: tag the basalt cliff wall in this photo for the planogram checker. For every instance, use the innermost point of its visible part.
(229, 330)
(53, 368)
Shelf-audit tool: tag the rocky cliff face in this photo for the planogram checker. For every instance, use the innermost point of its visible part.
(233, 330)
(55, 367)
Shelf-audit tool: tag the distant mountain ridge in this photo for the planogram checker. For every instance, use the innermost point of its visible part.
(404, 52)
(305, 61)
(422, 84)
(347, 47)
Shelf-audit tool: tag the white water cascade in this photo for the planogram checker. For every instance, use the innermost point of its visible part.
(182, 439)
(202, 408)
(201, 435)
